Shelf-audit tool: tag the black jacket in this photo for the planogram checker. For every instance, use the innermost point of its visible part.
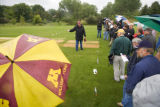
(99, 26)
(80, 31)
(130, 34)
(113, 33)
(119, 24)
(133, 60)
(126, 33)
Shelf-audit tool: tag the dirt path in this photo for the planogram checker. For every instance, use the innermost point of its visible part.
(69, 43)
(87, 44)
(73, 41)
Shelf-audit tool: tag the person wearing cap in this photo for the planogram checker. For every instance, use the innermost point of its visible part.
(80, 32)
(120, 45)
(148, 36)
(148, 66)
(146, 93)
(132, 62)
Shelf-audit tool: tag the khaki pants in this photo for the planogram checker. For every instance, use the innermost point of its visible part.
(119, 67)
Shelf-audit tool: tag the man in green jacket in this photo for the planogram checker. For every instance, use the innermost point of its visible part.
(121, 45)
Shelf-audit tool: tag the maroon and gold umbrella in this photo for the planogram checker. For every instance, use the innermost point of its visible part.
(33, 72)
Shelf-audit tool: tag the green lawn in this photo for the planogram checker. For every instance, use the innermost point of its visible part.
(81, 81)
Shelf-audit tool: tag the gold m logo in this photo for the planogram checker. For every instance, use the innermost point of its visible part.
(35, 40)
(4, 103)
(53, 76)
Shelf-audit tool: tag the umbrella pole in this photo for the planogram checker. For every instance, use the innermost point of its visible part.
(9, 59)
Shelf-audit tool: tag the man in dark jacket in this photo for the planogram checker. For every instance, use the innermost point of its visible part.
(148, 36)
(146, 93)
(99, 29)
(80, 32)
(147, 67)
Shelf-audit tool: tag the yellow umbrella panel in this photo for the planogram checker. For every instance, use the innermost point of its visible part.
(36, 75)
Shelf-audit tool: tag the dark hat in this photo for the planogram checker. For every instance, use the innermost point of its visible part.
(145, 44)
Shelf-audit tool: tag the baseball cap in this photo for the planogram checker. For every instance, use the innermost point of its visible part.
(120, 31)
(145, 44)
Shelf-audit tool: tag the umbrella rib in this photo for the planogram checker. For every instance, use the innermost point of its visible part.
(153, 19)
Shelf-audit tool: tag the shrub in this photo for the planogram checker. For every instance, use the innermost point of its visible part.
(13, 21)
(22, 20)
(92, 20)
(83, 22)
(69, 20)
(45, 21)
(37, 19)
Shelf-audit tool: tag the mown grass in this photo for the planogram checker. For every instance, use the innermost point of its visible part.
(81, 81)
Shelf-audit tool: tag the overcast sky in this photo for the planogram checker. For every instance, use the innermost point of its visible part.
(54, 4)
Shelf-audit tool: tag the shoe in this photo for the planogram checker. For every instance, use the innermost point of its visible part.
(120, 104)
(117, 80)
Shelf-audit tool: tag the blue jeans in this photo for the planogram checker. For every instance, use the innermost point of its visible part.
(127, 98)
(106, 35)
(99, 33)
(77, 43)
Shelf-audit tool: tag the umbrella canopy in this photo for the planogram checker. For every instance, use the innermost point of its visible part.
(33, 72)
(119, 17)
(152, 22)
(122, 18)
(138, 24)
(106, 19)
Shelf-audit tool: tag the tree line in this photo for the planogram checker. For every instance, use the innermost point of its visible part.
(72, 10)
(23, 13)
(129, 8)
